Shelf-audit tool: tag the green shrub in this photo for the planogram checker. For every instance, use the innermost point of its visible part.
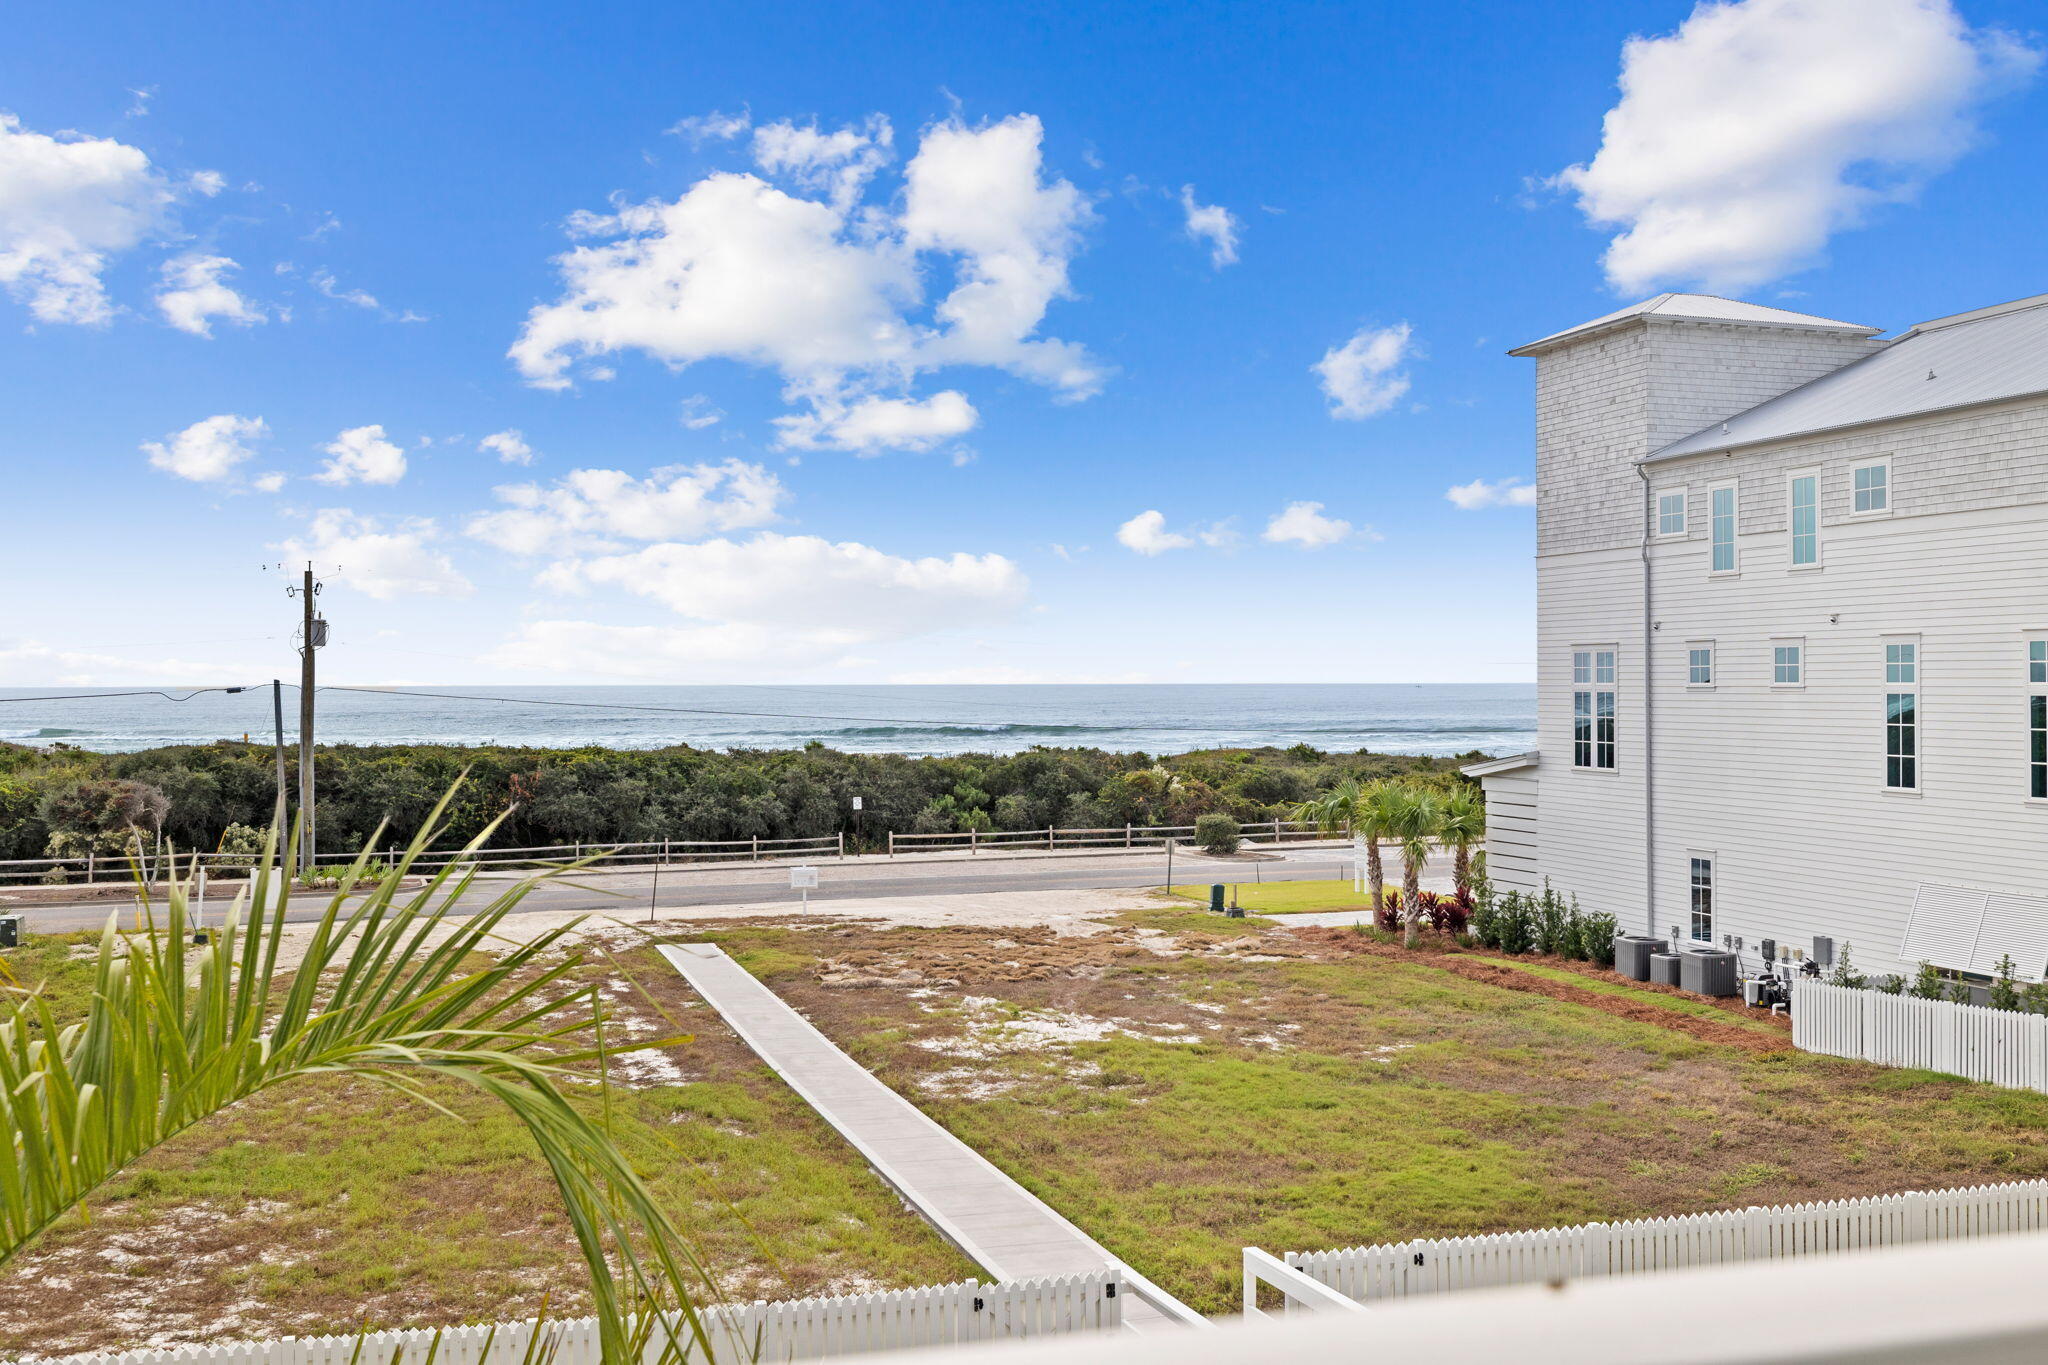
(1596, 935)
(1514, 924)
(2005, 993)
(240, 846)
(1216, 833)
(1927, 983)
(1845, 973)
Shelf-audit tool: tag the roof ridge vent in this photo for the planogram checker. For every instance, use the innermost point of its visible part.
(1977, 315)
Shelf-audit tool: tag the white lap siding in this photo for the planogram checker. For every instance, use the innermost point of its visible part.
(1786, 786)
(1511, 830)
(1592, 818)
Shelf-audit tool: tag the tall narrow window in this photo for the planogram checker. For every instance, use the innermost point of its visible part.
(1593, 708)
(1788, 665)
(1721, 529)
(1702, 888)
(1805, 520)
(1872, 489)
(1902, 717)
(2037, 719)
(1671, 513)
(1699, 666)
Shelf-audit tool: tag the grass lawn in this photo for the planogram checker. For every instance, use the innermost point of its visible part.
(1178, 1085)
(311, 1207)
(1285, 898)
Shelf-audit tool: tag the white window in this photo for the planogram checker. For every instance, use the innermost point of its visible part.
(1699, 664)
(1700, 884)
(2037, 719)
(1804, 496)
(1671, 513)
(1593, 708)
(1721, 528)
(1871, 489)
(1902, 716)
(1788, 663)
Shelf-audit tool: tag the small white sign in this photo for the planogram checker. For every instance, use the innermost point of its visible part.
(856, 803)
(803, 878)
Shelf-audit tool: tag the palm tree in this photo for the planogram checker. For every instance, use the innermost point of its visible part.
(1414, 817)
(175, 1033)
(1464, 824)
(1362, 810)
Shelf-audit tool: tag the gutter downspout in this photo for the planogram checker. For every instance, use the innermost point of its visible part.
(1649, 724)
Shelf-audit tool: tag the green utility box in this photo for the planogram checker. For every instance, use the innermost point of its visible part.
(1216, 898)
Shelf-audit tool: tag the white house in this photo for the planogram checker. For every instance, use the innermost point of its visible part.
(1792, 587)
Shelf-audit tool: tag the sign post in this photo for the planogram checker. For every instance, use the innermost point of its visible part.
(803, 879)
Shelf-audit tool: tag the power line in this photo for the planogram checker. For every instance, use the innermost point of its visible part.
(146, 692)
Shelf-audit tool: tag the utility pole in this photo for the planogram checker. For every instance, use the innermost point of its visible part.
(312, 635)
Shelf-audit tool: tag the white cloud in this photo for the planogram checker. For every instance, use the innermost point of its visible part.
(67, 204)
(829, 291)
(839, 163)
(1501, 493)
(208, 450)
(1757, 130)
(698, 412)
(1303, 524)
(1362, 378)
(192, 294)
(596, 508)
(31, 663)
(809, 584)
(1214, 224)
(508, 445)
(362, 455)
(712, 127)
(272, 482)
(1146, 533)
(771, 601)
(382, 562)
(324, 281)
(868, 426)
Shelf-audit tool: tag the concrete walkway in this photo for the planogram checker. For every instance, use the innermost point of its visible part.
(1008, 1231)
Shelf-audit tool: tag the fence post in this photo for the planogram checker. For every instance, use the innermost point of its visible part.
(1127, 834)
(842, 843)
(1276, 829)
(892, 843)
(91, 859)
(1050, 842)
(973, 841)
(757, 848)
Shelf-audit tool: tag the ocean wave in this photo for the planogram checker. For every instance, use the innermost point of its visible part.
(47, 732)
(911, 729)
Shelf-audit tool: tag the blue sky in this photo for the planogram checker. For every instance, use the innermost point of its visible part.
(887, 326)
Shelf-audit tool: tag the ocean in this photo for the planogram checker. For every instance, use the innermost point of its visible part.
(1158, 719)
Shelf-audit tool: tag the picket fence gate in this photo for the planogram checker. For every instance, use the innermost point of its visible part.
(799, 1329)
(2000, 1046)
(1647, 1245)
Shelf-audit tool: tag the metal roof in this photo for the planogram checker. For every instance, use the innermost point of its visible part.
(1976, 357)
(1697, 308)
(1500, 765)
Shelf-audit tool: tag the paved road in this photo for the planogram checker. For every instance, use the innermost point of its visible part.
(849, 881)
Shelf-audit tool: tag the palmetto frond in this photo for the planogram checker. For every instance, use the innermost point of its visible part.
(386, 990)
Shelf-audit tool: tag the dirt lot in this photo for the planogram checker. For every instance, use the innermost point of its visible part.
(1179, 1086)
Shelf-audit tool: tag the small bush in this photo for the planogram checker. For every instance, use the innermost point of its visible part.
(1453, 916)
(1896, 985)
(1596, 937)
(1927, 984)
(1217, 834)
(1514, 924)
(1845, 973)
(2005, 993)
(2034, 997)
(1387, 914)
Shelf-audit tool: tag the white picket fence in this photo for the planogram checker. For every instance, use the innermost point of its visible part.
(800, 1329)
(1644, 1246)
(1999, 1046)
